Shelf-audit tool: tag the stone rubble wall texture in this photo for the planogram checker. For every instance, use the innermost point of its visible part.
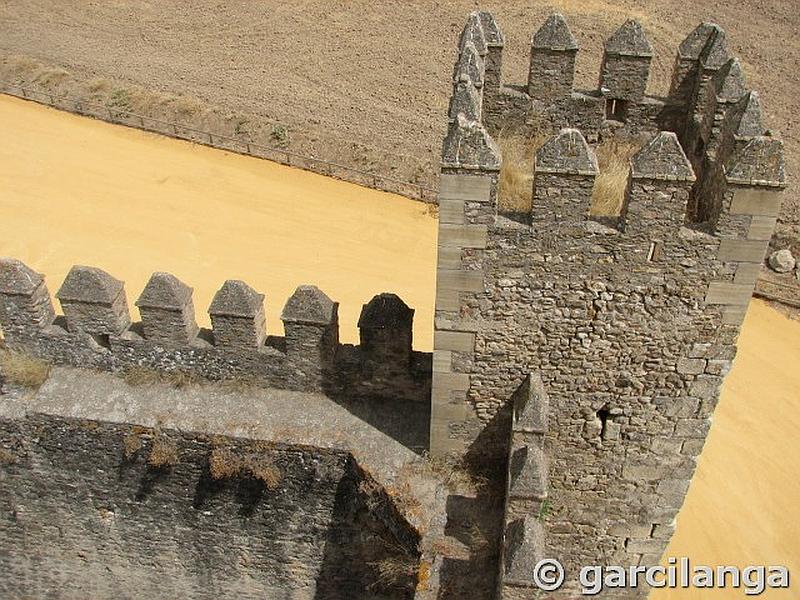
(582, 358)
(588, 357)
(86, 516)
(96, 331)
(548, 101)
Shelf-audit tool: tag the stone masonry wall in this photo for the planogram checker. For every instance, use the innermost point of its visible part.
(631, 333)
(589, 358)
(549, 102)
(97, 332)
(85, 513)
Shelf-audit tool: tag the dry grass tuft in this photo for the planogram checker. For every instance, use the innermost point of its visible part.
(455, 475)
(23, 369)
(50, 77)
(394, 571)
(263, 469)
(608, 194)
(186, 105)
(7, 457)
(164, 453)
(404, 499)
(516, 184)
(99, 85)
(131, 444)
(147, 376)
(224, 464)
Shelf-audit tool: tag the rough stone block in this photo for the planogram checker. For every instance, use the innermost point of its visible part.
(94, 302)
(463, 236)
(524, 547)
(761, 227)
(735, 250)
(645, 546)
(729, 293)
(451, 211)
(746, 274)
(458, 341)
(691, 366)
(237, 317)
(530, 404)
(167, 311)
(692, 428)
(466, 188)
(449, 257)
(527, 473)
(756, 201)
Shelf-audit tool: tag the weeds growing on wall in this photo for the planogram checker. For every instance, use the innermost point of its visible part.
(516, 174)
(164, 452)
(131, 444)
(456, 476)
(223, 463)
(6, 457)
(608, 195)
(515, 188)
(395, 571)
(146, 376)
(23, 369)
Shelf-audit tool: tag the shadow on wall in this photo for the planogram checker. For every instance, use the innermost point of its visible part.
(111, 507)
(365, 536)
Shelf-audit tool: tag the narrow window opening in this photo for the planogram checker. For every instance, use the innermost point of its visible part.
(602, 415)
(655, 252)
(102, 341)
(616, 110)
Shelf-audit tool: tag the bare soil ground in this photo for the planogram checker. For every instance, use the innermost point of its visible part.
(367, 83)
(79, 191)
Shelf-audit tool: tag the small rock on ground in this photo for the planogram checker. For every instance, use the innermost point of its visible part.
(782, 261)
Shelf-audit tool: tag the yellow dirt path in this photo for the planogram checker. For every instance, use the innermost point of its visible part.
(79, 191)
(743, 507)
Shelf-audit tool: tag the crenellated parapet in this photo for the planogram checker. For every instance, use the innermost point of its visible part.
(385, 325)
(167, 311)
(630, 324)
(705, 83)
(626, 63)
(564, 174)
(549, 97)
(96, 331)
(552, 65)
(94, 302)
(25, 306)
(526, 491)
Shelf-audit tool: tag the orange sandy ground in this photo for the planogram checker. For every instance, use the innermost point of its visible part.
(75, 190)
(79, 191)
(743, 507)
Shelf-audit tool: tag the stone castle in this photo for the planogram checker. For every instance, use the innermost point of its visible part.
(577, 363)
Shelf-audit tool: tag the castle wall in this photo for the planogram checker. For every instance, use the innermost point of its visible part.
(548, 101)
(97, 332)
(589, 358)
(631, 333)
(86, 515)
(625, 77)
